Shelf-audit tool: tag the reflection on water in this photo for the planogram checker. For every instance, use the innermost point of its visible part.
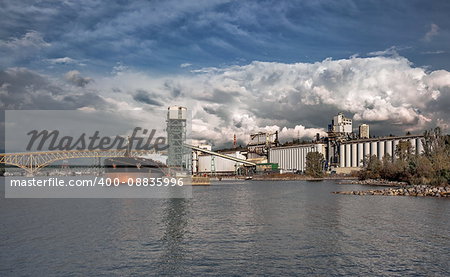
(231, 228)
(175, 220)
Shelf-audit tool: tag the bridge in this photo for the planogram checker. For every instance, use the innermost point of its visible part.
(32, 162)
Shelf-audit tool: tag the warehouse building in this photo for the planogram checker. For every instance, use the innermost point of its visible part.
(293, 158)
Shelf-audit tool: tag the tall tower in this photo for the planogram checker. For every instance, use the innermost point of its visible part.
(176, 136)
(364, 131)
(340, 129)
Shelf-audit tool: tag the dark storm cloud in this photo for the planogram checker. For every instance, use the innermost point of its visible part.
(174, 89)
(221, 111)
(442, 103)
(76, 79)
(440, 107)
(218, 96)
(146, 98)
(291, 114)
(21, 88)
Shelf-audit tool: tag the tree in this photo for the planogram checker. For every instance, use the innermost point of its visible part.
(432, 167)
(387, 169)
(433, 141)
(436, 148)
(314, 162)
(421, 170)
(372, 168)
(400, 169)
(404, 150)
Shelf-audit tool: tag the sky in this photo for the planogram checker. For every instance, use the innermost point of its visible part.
(239, 66)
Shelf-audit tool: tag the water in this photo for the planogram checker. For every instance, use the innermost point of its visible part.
(229, 228)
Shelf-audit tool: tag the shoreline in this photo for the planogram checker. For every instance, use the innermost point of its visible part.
(417, 191)
(286, 177)
(302, 178)
(376, 182)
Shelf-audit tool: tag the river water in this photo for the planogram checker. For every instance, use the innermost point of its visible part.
(229, 228)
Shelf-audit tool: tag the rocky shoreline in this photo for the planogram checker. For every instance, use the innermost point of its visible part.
(421, 190)
(375, 182)
(290, 177)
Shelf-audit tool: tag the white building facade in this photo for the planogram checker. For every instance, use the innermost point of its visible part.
(293, 158)
(342, 124)
(212, 164)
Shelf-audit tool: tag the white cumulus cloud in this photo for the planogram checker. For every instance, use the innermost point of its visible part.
(298, 100)
(65, 60)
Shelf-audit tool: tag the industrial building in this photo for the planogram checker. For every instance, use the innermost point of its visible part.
(341, 124)
(293, 158)
(342, 149)
(259, 145)
(352, 153)
(209, 164)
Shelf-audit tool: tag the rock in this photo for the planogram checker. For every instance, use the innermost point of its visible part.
(419, 190)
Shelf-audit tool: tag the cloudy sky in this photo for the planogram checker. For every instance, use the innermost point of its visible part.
(239, 66)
